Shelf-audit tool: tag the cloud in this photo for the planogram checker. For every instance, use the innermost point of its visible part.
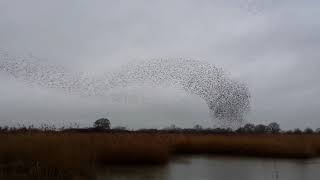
(271, 45)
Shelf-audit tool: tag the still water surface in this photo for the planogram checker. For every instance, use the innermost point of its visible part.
(219, 168)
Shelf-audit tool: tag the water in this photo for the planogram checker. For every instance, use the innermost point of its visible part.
(220, 168)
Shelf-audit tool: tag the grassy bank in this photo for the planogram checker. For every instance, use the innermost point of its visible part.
(73, 155)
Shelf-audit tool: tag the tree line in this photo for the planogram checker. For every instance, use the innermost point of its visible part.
(249, 128)
(104, 125)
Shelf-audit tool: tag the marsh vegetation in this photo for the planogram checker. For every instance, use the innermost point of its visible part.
(77, 153)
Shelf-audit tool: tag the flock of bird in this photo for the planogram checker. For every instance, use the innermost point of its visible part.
(228, 100)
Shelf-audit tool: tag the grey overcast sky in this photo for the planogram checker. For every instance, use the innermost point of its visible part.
(272, 45)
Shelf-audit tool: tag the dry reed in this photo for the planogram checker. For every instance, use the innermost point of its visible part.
(64, 155)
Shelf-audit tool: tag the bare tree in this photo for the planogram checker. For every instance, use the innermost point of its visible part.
(274, 127)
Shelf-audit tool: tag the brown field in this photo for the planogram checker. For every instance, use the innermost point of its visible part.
(74, 155)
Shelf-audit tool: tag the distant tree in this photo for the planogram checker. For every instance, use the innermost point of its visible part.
(121, 128)
(274, 127)
(221, 130)
(297, 131)
(197, 127)
(260, 128)
(317, 130)
(289, 132)
(239, 130)
(102, 123)
(229, 130)
(248, 128)
(308, 131)
(172, 127)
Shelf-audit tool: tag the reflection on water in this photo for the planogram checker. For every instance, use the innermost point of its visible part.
(220, 168)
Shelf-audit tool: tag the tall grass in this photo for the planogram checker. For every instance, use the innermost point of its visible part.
(55, 155)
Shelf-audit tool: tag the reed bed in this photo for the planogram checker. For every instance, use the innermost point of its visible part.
(75, 155)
